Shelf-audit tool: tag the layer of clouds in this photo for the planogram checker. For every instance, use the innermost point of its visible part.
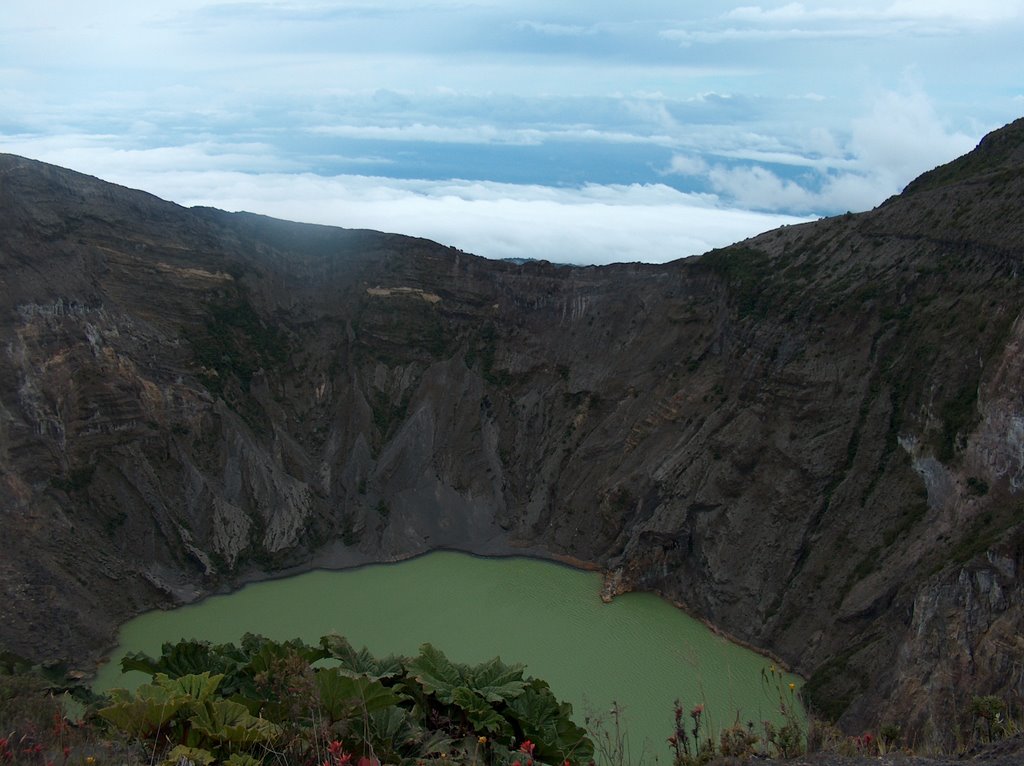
(799, 21)
(591, 224)
(899, 138)
(653, 123)
(910, 10)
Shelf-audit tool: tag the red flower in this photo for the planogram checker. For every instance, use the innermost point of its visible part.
(697, 710)
(527, 747)
(338, 755)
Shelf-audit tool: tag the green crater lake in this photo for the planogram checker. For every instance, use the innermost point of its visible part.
(638, 651)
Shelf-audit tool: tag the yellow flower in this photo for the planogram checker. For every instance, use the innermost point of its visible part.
(482, 740)
(792, 687)
(89, 760)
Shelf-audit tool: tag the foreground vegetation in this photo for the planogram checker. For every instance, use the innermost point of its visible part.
(264, 701)
(269, 702)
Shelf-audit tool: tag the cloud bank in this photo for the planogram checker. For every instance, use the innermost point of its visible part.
(591, 224)
(599, 130)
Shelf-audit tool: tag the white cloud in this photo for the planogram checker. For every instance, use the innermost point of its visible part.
(910, 10)
(898, 138)
(687, 165)
(966, 10)
(102, 154)
(759, 188)
(902, 136)
(686, 37)
(800, 22)
(438, 134)
(808, 159)
(591, 224)
(557, 30)
(486, 134)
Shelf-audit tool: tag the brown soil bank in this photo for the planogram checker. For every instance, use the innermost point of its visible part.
(813, 439)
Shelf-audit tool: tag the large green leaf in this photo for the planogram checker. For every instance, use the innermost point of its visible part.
(226, 721)
(242, 759)
(146, 710)
(194, 657)
(436, 673)
(194, 755)
(497, 682)
(342, 696)
(199, 687)
(176, 659)
(360, 662)
(481, 716)
(549, 725)
(398, 738)
(393, 725)
(265, 652)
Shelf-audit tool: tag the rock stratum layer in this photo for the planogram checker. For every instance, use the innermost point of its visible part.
(813, 439)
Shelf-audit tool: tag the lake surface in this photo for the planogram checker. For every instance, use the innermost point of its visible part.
(639, 650)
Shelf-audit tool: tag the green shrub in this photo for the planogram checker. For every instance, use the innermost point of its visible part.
(263, 696)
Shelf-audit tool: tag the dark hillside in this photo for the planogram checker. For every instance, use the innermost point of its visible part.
(814, 438)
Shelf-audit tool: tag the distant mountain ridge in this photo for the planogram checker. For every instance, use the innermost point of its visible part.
(813, 439)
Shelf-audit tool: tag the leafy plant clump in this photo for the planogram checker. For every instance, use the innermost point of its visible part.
(330, 704)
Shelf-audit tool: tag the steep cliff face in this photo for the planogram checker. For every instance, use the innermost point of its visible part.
(814, 439)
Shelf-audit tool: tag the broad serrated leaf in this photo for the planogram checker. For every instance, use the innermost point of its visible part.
(194, 755)
(359, 662)
(548, 725)
(497, 682)
(139, 661)
(145, 711)
(176, 659)
(481, 716)
(264, 653)
(342, 696)
(226, 721)
(392, 725)
(242, 759)
(198, 687)
(572, 740)
(436, 673)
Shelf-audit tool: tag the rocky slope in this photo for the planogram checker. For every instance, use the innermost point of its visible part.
(813, 439)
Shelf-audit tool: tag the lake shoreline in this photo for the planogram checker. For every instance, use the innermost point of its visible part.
(336, 557)
(638, 653)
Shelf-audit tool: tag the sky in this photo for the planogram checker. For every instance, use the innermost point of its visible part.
(581, 131)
